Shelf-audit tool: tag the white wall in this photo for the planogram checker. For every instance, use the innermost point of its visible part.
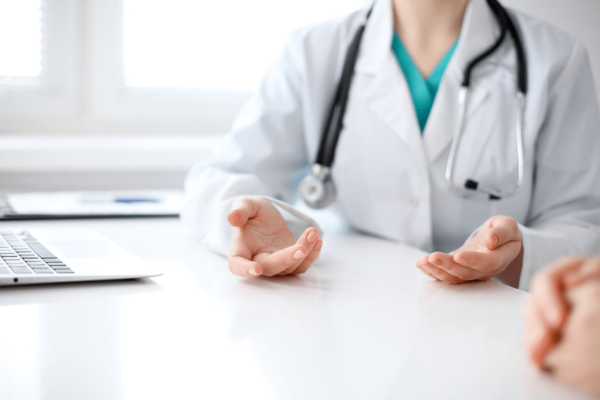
(580, 18)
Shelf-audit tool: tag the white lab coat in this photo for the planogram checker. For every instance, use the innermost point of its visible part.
(389, 177)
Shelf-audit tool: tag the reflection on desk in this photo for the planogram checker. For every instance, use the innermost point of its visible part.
(363, 323)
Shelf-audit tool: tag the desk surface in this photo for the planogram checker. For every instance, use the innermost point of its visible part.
(363, 323)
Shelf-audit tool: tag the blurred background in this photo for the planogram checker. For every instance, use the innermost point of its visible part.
(128, 94)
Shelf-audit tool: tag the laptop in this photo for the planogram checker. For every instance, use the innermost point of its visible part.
(39, 256)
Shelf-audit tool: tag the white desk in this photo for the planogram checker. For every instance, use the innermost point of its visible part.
(363, 323)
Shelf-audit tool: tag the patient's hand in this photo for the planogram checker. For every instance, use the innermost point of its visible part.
(264, 245)
(563, 322)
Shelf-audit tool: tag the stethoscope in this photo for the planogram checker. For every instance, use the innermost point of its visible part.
(318, 190)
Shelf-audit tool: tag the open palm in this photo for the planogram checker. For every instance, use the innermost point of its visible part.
(496, 245)
(264, 245)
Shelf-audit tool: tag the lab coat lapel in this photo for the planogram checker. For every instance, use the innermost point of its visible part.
(479, 31)
(388, 95)
(389, 99)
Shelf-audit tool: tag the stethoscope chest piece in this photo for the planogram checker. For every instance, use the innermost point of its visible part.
(317, 188)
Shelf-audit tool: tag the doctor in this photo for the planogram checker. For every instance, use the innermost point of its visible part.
(391, 171)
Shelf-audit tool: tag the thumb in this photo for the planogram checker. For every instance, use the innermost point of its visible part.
(501, 231)
(241, 211)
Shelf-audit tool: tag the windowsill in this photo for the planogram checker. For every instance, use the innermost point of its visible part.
(62, 153)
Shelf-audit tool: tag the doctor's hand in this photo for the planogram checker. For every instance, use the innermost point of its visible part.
(496, 247)
(264, 245)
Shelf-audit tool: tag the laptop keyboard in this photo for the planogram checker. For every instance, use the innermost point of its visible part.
(23, 254)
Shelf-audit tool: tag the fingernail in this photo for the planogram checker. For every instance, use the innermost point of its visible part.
(461, 260)
(438, 262)
(299, 254)
(312, 236)
(253, 272)
(318, 245)
(495, 240)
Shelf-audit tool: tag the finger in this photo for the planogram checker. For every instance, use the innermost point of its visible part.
(485, 263)
(243, 209)
(442, 275)
(538, 353)
(239, 259)
(548, 287)
(502, 230)
(241, 266)
(274, 263)
(438, 258)
(427, 273)
(589, 270)
(422, 261)
(447, 263)
(308, 240)
(310, 259)
(538, 338)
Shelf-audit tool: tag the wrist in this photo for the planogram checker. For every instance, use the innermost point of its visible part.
(512, 273)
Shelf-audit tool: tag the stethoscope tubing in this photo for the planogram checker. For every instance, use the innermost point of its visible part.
(334, 125)
(506, 24)
(319, 181)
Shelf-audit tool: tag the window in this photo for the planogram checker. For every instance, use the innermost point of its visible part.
(205, 45)
(20, 42)
(38, 74)
(140, 66)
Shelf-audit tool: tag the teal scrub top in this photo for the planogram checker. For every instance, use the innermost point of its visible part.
(422, 90)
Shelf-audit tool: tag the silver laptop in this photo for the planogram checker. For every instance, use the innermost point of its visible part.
(53, 255)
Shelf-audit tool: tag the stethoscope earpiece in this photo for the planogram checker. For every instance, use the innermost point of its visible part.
(317, 189)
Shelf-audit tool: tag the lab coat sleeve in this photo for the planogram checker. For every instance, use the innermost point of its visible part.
(264, 155)
(564, 216)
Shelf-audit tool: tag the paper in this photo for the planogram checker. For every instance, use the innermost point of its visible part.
(161, 202)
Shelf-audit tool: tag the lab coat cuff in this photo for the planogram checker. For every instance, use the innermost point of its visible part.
(527, 269)
(299, 221)
(220, 238)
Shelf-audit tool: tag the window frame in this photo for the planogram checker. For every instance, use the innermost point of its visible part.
(51, 102)
(82, 88)
(150, 110)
